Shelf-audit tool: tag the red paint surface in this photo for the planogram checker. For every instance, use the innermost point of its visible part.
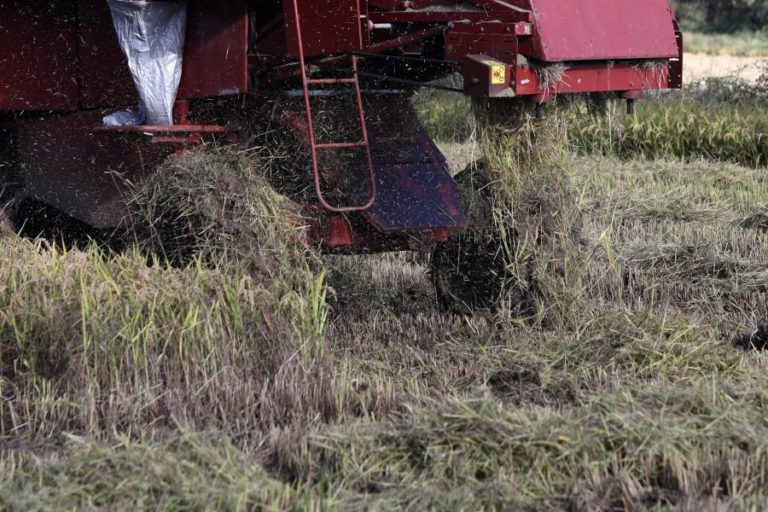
(38, 55)
(568, 30)
(86, 174)
(57, 55)
(215, 54)
(103, 70)
(63, 55)
(216, 49)
(328, 26)
(584, 78)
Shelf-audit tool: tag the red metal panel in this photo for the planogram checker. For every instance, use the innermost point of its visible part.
(575, 30)
(328, 26)
(215, 54)
(500, 44)
(86, 174)
(427, 16)
(104, 76)
(216, 51)
(589, 77)
(38, 55)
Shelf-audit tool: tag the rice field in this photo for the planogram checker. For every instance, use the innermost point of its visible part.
(339, 383)
(715, 117)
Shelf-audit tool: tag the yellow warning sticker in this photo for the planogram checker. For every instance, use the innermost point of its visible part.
(498, 72)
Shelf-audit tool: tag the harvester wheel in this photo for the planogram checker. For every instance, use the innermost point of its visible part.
(470, 270)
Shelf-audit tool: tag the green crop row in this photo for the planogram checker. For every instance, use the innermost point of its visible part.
(678, 128)
(721, 16)
(717, 119)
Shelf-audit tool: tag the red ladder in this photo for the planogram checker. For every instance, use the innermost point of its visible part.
(307, 82)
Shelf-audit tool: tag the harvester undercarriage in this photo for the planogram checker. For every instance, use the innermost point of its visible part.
(334, 75)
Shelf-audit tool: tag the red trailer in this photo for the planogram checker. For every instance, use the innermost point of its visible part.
(63, 70)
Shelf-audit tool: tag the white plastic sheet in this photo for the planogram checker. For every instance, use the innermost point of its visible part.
(151, 34)
(125, 118)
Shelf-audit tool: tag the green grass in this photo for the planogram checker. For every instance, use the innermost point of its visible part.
(739, 44)
(720, 16)
(678, 128)
(719, 119)
(190, 472)
(339, 384)
(150, 387)
(446, 116)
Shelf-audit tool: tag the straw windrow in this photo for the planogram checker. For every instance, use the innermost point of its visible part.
(548, 74)
(6, 228)
(532, 206)
(217, 204)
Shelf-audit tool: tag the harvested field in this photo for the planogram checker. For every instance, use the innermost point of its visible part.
(523, 223)
(128, 386)
(232, 370)
(718, 117)
(699, 66)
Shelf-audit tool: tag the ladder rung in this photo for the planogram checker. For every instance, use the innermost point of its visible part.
(313, 81)
(340, 145)
(314, 147)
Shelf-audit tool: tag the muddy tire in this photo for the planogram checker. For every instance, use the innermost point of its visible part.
(10, 183)
(468, 270)
(9, 163)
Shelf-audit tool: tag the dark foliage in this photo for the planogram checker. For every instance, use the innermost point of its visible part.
(722, 15)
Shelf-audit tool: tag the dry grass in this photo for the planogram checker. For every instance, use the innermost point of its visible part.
(187, 473)
(715, 117)
(723, 53)
(100, 346)
(549, 75)
(6, 227)
(613, 450)
(224, 384)
(532, 208)
(217, 204)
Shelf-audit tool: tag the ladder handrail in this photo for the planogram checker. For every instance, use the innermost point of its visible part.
(306, 81)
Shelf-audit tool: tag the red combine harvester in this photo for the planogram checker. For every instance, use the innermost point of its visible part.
(63, 70)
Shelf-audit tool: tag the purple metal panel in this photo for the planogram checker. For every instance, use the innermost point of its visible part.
(416, 197)
(577, 30)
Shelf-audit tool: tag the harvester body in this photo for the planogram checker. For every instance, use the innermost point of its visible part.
(63, 70)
